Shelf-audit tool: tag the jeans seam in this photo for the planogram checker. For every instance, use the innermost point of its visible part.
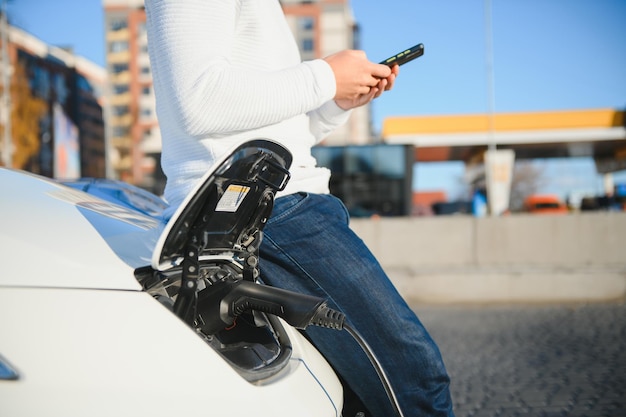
(344, 209)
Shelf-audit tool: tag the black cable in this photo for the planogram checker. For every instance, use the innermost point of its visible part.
(332, 319)
(377, 367)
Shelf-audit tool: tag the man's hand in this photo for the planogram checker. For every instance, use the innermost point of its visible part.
(359, 80)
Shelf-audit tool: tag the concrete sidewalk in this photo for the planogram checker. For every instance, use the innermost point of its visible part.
(539, 360)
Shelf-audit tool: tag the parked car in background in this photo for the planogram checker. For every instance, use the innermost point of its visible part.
(545, 204)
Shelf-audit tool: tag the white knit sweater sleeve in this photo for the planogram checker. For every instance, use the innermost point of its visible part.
(206, 67)
(327, 118)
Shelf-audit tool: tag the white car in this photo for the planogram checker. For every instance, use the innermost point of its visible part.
(105, 311)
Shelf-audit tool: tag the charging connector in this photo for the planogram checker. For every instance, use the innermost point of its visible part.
(221, 303)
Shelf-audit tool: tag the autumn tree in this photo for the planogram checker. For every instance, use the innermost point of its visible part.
(26, 112)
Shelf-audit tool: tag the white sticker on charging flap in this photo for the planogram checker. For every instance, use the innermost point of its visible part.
(232, 198)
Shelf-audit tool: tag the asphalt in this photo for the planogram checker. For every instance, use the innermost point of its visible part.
(533, 360)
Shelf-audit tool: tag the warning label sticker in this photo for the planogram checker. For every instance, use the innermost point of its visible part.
(232, 198)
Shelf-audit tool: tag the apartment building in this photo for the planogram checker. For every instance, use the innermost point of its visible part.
(321, 27)
(134, 137)
(70, 125)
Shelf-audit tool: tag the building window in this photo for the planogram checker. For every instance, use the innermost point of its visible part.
(60, 88)
(120, 110)
(84, 84)
(41, 82)
(306, 23)
(119, 68)
(120, 131)
(307, 45)
(120, 88)
(118, 24)
(118, 46)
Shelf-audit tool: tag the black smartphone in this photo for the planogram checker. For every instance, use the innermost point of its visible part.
(405, 56)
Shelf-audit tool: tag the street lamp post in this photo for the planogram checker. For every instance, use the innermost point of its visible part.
(491, 92)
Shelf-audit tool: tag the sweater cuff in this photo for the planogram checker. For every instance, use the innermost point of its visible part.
(325, 83)
(332, 113)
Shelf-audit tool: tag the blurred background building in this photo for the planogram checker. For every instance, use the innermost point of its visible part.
(54, 108)
(134, 135)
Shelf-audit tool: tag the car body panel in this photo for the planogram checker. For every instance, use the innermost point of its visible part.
(86, 338)
(63, 229)
(121, 353)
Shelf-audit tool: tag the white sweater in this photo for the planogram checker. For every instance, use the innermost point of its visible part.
(227, 71)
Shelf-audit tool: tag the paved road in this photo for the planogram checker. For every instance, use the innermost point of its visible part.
(543, 361)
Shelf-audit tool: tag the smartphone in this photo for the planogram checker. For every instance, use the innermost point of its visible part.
(405, 56)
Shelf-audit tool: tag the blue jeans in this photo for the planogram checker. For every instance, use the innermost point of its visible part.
(309, 248)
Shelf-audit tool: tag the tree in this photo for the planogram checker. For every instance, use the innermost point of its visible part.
(26, 112)
(527, 179)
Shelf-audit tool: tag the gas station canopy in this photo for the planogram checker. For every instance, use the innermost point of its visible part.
(596, 133)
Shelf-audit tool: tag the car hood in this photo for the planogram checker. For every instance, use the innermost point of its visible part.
(55, 236)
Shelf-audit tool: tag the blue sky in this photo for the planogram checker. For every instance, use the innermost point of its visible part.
(547, 54)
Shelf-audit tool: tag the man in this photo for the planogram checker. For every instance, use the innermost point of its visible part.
(229, 71)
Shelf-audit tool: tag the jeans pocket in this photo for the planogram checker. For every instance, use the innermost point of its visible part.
(286, 205)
